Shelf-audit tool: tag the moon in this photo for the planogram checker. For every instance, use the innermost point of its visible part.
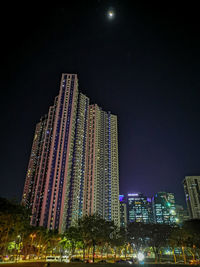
(110, 14)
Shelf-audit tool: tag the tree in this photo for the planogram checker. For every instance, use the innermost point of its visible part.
(137, 235)
(192, 230)
(93, 228)
(117, 239)
(73, 238)
(14, 220)
(175, 239)
(157, 236)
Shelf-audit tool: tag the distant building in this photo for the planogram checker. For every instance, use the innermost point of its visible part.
(164, 209)
(150, 210)
(182, 214)
(139, 208)
(192, 193)
(123, 211)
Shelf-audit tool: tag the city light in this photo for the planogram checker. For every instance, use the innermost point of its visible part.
(133, 195)
(140, 256)
(121, 197)
(173, 212)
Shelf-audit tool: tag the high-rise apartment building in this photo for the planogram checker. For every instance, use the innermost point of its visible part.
(34, 163)
(164, 209)
(79, 171)
(102, 179)
(192, 193)
(73, 167)
(139, 208)
(41, 173)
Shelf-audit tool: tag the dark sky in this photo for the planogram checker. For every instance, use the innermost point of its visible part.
(143, 66)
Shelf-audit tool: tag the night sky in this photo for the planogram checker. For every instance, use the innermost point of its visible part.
(143, 66)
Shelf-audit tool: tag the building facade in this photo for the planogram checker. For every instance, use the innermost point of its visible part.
(139, 208)
(41, 174)
(102, 179)
(77, 182)
(34, 163)
(192, 193)
(73, 167)
(164, 209)
(182, 215)
(59, 170)
(123, 211)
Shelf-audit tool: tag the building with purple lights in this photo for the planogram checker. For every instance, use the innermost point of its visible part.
(73, 168)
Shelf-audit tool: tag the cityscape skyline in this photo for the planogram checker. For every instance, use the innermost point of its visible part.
(142, 65)
(100, 123)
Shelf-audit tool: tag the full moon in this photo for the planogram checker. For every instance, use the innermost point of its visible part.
(110, 14)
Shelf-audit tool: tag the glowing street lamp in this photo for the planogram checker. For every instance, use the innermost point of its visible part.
(32, 236)
(140, 256)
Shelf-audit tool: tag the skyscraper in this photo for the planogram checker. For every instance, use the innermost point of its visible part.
(41, 173)
(192, 193)
(34, 163)
(102, 183)
(79, 167)
(59, 170)
(73, 167)
(164, 209)
(139, 208)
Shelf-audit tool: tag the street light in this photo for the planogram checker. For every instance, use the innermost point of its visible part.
(140, 256)
(32, 236)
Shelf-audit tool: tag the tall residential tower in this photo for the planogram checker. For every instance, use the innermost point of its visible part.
(73, 168)
(102, 180)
